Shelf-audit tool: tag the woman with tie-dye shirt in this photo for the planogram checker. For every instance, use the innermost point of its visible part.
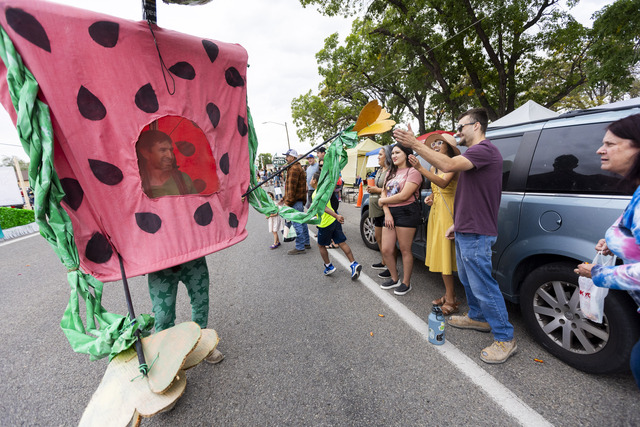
(619, 154)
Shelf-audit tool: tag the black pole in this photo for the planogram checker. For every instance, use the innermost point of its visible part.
(141, 360)
(149, 11)
(287, 166)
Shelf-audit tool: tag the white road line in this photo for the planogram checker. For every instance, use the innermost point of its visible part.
(500, 394)
(17, 239)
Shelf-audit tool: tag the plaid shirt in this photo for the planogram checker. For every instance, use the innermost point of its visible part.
(295, 188)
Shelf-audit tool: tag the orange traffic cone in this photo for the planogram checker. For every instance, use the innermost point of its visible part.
(360, 193)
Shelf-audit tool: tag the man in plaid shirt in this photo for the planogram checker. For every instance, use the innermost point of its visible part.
(295, 196)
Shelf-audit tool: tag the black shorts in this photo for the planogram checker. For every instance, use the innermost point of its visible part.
(378, 221)
(407, 216)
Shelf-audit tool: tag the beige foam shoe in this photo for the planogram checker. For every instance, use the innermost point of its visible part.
(465, 322)
(215, 357)
(499, 351)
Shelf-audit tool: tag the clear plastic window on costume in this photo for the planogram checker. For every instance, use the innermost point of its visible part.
(175, 159)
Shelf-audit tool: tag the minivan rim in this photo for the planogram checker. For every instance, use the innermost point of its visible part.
(556, 306)
(369, 230)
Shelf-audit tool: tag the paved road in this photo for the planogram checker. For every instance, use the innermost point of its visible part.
(301, 349)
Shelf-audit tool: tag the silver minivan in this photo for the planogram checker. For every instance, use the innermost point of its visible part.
(556, 204)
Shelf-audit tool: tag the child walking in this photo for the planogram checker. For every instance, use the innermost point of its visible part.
(275, 225)
(330, 228)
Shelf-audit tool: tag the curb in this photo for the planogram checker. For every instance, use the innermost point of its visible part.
(22, 230)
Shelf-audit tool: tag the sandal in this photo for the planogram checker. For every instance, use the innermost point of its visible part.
(333, 246)
(275, 245)
(449, 308)
(440, 301)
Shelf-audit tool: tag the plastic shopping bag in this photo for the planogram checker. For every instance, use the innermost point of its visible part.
(591, 296)
(289, 232)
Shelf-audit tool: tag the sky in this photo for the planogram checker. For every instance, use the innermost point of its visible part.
(281, 38)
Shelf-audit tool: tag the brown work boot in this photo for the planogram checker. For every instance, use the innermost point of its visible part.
(464, 322)
(295, 251)
(499, 351)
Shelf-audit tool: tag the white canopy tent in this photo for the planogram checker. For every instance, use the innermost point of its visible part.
(357, 161)
(528, 112)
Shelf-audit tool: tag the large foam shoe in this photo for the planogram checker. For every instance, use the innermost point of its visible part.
(215, 357)
(465, 322)
(499, 351)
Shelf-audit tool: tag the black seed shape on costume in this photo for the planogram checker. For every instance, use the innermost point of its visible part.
(200, 185)
(203, 215)
(211, 48)
(98, 249)
(224, 163)
(214, 114)
(186, 148)
(233, 220)
(184, 70)
(89, 105)
(105, 172)
(242, 126)
(28, 27)
(146, 99)
(73, 193)
(148, 221)
(105, 33)
(233, 77)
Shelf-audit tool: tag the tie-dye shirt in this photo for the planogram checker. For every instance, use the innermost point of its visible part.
(623, 239)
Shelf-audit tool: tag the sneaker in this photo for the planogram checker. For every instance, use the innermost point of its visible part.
(465, 322)
(215, 357)
(355, 270)
(390, 284)
(328, 269)
(379, 266)
(499, 351)
(385, 274)
(295, 251)
(402, 289)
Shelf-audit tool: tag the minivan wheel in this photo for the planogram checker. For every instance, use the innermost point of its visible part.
(368, 231)
(549, 301)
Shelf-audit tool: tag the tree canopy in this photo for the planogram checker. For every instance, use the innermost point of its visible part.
(430, 60)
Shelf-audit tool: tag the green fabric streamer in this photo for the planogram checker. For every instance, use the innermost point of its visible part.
(106, 334)
(335, 160)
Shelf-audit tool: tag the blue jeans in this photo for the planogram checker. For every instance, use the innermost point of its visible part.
(635, 363)
(486, 304)
(302, 230)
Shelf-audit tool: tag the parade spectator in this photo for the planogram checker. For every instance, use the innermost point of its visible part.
(275, 225)
(312, 168)
(330, 230)
(375, 211)
(295, 196)
(475, 228)
(441, 252)
(620, 154)
(402, 215)
(160, 177)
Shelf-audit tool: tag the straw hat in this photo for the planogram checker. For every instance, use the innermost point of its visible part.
(441, 135)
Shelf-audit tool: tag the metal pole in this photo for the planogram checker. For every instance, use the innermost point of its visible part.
(287, 166)
(132, 316)
(287, 130)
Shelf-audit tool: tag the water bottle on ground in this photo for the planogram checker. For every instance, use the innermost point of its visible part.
(436, 326)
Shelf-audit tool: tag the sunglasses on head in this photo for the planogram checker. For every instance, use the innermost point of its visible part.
(459, 128)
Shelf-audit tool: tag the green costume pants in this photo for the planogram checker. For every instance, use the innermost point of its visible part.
(163, 287)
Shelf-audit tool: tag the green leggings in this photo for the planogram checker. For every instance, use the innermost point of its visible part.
(163, 286)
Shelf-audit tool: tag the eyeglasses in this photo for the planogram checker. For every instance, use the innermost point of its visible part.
(435, 144)
(459, 128)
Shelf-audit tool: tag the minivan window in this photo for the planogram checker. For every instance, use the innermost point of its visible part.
(508, 148)
(565, 161)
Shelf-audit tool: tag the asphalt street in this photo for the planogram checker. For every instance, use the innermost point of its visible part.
(301, 349)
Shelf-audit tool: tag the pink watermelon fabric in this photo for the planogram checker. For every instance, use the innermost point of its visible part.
(102, 79)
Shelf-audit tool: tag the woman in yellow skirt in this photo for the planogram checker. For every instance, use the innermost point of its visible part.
(441, 252)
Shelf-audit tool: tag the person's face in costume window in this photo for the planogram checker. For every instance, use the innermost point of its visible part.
(160, 156)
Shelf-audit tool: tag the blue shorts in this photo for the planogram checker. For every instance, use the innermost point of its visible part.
(331, 232)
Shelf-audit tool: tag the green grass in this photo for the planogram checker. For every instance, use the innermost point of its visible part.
(10, 218)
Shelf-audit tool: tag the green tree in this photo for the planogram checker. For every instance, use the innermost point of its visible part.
(8, 161)
(264, 159)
